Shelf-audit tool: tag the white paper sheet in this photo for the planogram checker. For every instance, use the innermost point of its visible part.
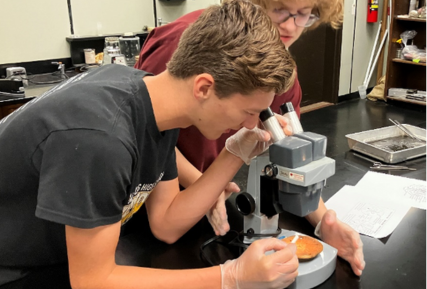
(370, 215)
(401, 190)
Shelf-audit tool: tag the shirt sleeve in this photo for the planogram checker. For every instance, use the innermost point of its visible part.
(84, 175)
(171, 170)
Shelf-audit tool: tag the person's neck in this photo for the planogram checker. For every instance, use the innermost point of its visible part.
(171, 99)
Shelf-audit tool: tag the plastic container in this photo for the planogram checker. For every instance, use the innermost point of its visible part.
(129, 47)
(362, 91)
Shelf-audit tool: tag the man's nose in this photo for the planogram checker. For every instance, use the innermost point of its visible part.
(251, 121)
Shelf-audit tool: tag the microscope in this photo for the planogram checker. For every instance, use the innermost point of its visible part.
(290, 177)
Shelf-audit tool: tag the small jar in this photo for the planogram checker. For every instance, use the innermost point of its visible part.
(89, 55)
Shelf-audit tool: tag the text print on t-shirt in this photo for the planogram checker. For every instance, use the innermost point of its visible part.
(137, 199)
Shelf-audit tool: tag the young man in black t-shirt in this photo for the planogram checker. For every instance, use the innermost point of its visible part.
(79, 161)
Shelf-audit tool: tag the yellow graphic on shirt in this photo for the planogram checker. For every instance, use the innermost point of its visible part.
(137, 199)
(134, 204)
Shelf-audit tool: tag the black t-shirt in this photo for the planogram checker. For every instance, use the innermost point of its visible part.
(87, 153)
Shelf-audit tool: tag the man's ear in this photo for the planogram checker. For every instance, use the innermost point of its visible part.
(203, 86)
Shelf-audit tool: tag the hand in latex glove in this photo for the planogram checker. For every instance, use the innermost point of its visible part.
(217, 215)
(283, 121)
(345, 239)
(248, 143)
(255, 270)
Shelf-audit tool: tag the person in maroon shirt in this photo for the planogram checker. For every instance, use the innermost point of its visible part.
(195, 153)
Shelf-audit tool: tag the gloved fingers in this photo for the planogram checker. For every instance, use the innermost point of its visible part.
(356, 269)
(255, 135)
(220, 220)
(288, 279)
(359, 262)
(212, 222)
(287, 129)
(284, 255)
(219, 210)
(270, 244)
(330, 217)
(289, 267)
(347, 241)
(231, 188)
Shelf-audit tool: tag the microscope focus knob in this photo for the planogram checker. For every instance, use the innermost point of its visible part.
(245, 203)
(270, 171)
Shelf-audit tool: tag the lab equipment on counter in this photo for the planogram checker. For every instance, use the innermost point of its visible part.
(89, 55)
(405, 130)
(129, 47)
(17, 73)
(290, 177)
(11, 88)
(389, 144)
(382, 167)
(112, 53)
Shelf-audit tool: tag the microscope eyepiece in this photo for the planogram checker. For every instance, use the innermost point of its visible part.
(266, 114)
(288, 111)
(271, 124)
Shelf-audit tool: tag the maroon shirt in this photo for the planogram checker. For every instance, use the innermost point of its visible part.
(156, 51)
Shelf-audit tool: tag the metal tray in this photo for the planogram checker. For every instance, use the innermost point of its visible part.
(389, 144)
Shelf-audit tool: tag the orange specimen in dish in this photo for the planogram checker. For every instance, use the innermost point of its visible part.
(307, 247)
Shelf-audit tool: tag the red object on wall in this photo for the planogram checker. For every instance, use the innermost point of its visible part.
(372, 11)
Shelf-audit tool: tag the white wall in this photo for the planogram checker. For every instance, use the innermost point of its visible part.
(358, 40)
(347, 46)
(34, 30)
(100, 17)
(171, 10)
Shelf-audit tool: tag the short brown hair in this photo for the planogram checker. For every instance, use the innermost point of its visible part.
(329, 11)
(238, 45)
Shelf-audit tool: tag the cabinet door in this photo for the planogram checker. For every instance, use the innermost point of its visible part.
(317, 55)
(8, 109)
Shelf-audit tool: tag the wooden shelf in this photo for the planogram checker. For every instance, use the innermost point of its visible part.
(411, 19)
(402, 73)
(408, 62)
(403, 99)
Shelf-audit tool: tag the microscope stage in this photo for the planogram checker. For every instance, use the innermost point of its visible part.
(315, 271)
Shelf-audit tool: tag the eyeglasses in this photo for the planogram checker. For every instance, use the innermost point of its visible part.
(280, 16)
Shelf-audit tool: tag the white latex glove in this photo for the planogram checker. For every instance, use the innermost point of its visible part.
(255, 270)
(248, 143)
(345, 239)
(217, 215)
(283, 121)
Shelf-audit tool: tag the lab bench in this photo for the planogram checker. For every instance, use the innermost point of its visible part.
(397, 261)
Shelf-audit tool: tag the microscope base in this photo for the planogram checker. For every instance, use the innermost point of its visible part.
(313, 272)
